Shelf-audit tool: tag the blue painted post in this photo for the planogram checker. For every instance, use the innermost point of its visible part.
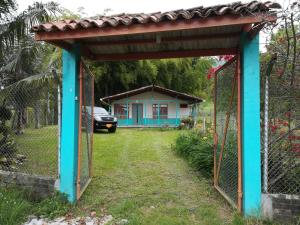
(145, 112)
(127, 113)
(158, 113)
(70, 119)
(250, 116)
(176, 120)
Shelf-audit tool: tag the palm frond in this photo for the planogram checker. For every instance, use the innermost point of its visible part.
(6, 6)
(12, 31)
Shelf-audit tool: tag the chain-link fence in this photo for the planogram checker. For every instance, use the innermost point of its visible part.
(226, 131)
(281, 126)
(28, 128)
(86, 129)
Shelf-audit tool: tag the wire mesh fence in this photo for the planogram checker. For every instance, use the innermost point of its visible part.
(226, 130)
(28, 128)
(86, 130)
(281, 138)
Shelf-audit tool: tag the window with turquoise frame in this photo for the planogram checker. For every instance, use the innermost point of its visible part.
(162, 109)
(120, 111)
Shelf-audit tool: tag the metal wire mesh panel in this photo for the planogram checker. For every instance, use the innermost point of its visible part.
(28, 133)
(86, 134)
(226, 130)
(281, 150)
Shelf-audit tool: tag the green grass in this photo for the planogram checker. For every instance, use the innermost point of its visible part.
(40, 148)
(16, 205)
(136, 176)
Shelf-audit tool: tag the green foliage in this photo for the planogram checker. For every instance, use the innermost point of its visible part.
(7, 144)
(187, 123)
(53, 206)
(197, 148)
(186, 75)
(13, 207)
(16, 205)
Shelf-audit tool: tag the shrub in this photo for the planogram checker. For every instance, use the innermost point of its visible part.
(7, 145)
(197, 148)
(186, 123)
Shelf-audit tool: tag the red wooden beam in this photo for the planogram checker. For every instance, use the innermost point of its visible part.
(163, 40)
(61, 44)
(215, 21)
(164, 55)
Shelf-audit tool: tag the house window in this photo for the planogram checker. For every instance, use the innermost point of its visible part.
(163, 111)
(183, 106)
(120, 111)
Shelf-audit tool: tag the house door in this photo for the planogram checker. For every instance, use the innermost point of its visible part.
(137, 114)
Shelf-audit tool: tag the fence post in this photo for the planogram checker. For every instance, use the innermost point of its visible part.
(70, 118)
(250, 116)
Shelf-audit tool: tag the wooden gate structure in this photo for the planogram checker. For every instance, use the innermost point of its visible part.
(231, 29)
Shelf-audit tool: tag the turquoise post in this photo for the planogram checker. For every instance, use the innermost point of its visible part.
(145, 112)
(177, 113)
(127, 113)
(250, 116)
(158, 113)
(70, 118)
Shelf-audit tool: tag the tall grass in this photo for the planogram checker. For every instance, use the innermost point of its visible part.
(16, 205)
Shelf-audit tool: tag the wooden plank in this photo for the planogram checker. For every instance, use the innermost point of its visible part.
(215, 21)
(79, 130)
(239, 136)
(215, 129)
(164, 55)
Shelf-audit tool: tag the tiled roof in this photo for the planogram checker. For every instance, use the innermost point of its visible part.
(162, 90)
(237, 8)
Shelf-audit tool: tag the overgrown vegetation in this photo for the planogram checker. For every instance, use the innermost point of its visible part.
(8, 148)
(196, 147)
(16, 205)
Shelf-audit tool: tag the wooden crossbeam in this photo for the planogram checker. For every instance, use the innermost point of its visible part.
(166, 54)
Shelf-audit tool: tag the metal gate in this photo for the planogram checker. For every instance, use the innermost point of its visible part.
(227, 135)
(85, 136)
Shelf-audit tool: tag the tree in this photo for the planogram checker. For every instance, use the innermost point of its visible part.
(20, 56)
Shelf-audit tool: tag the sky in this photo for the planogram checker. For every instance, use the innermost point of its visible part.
(88, 8)
(94, 7)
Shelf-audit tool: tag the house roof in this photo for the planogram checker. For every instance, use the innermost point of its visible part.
(155, 88)
(199, 31)
(236, 8)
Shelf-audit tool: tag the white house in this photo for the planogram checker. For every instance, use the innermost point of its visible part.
(151, 106)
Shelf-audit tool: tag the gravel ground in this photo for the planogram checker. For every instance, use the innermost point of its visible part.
(67, 220)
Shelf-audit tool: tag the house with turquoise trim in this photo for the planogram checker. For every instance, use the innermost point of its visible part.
(152, 106)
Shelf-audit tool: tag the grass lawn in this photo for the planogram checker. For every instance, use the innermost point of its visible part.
(40, 148)
(136, 176)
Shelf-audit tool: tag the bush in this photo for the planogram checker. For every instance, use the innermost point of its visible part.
(186, 123)
(7, 144)
(197, 148)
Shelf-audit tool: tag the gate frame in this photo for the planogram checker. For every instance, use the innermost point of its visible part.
(74, 37)
(82, 66)
(249, 125)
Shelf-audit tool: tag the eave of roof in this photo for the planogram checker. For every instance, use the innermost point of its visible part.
(121, 20)
(155, 88)
(200, 31)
